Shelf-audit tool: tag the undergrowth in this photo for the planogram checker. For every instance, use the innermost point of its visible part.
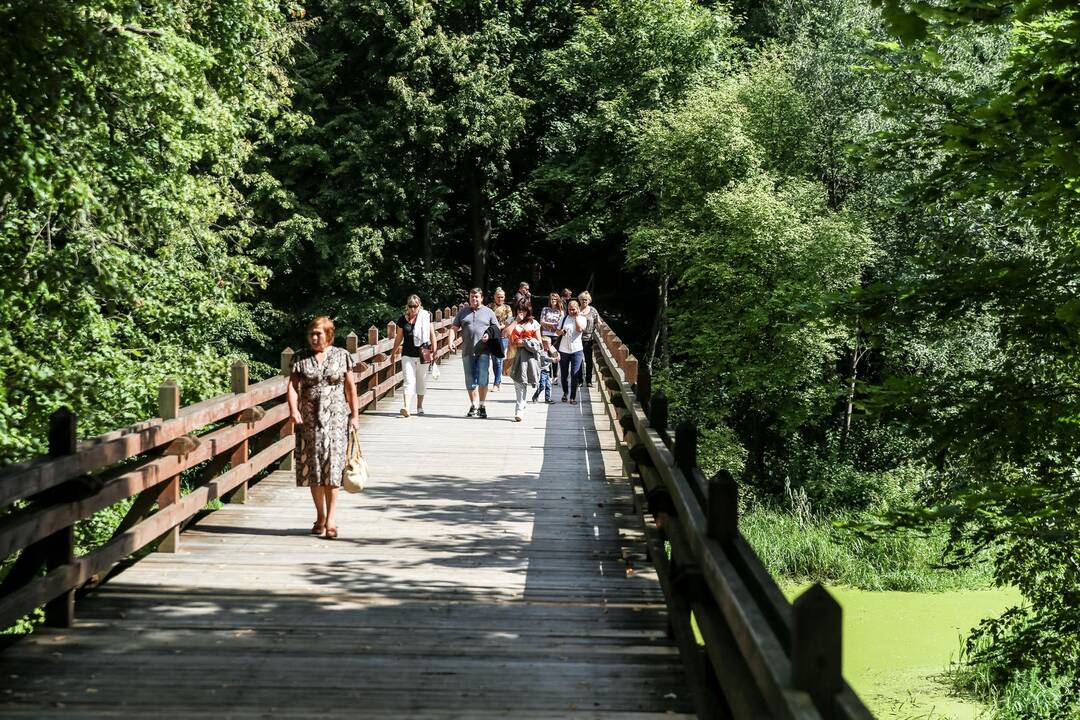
(1026, 694)
(804, 548)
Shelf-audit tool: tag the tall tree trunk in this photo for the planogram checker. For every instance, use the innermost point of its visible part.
(754, 469)
(658, 334)
(480, 227)
(856, 356)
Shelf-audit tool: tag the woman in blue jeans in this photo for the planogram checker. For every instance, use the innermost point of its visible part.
(504, 314)
(571, 352)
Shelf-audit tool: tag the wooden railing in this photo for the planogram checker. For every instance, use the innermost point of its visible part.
(762, 657)
(223, 443)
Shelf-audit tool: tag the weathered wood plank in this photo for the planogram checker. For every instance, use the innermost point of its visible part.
(74, 574)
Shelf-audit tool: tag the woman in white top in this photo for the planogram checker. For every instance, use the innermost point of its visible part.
(415, 341)
(571, 357)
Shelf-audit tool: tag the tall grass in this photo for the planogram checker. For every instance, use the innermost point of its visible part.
(1028, 694)
(802, 548)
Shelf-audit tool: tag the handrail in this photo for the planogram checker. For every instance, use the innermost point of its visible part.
(762, 656)
(232, 437)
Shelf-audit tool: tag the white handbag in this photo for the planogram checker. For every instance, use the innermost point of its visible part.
(356, 469)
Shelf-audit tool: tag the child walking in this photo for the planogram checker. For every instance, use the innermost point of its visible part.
(549, 359)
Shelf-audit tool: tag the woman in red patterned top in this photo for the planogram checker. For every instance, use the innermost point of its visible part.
(520, 329)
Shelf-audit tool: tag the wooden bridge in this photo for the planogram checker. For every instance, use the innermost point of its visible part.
(577, 564)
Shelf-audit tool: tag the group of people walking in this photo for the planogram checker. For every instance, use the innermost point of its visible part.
(511, 341)
(500, 340)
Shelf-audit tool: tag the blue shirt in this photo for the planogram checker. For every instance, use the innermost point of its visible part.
(473, 324)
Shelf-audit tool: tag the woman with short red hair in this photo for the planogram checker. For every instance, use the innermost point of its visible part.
(322, 404)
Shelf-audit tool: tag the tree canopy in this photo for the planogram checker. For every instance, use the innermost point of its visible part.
(840, 232)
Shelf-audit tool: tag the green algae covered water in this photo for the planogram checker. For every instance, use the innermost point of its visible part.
(897, 644)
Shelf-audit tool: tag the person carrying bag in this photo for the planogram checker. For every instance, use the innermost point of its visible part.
(415, 341)
(356, 469)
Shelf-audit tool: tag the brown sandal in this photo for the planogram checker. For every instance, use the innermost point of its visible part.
(318, 528)
(331, 532)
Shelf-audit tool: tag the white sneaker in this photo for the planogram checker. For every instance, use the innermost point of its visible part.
(404, 412)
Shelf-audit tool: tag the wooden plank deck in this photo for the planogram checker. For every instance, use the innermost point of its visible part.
(491, 569)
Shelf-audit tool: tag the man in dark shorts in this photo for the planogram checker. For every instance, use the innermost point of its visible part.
(474, 323)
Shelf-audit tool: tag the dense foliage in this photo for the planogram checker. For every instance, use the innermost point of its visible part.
(998, 163)
(125, 129)
(853, 216)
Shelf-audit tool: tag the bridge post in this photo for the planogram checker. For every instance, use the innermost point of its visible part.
(239, 454)
(447, 315)
(658, 412)
(723, 507)
(59, 548)
(352, 345)
(169, 409)
(437, 318)
(686, 458)
(643, 388)
(286, 361)
(391, 371)
(286, 427)
(685, 449)
(373, 379)
(816, 648)
(622, 355)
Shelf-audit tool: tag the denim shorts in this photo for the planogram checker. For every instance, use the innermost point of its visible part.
(475, 367)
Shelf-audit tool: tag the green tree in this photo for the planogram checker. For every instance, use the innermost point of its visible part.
(414, 114)
(126, 127)
(998, 165)
(624, 58)
(757, 257)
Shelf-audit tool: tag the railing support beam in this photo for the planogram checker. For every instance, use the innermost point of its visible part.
(59, 548)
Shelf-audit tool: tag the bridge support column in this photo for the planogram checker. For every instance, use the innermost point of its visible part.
(391, 371)
(59, 548)
(239, 455)
(376, 374)
(169, 408)
(816, 648)
(287, 428)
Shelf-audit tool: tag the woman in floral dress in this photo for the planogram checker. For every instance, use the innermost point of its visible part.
(323, 405)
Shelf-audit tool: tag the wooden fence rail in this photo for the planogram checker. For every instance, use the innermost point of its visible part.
(223, 443)
(762, 656)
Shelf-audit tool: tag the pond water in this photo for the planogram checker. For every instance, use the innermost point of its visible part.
(896, 645)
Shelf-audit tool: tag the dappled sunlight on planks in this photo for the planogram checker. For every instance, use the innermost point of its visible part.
(484, 572)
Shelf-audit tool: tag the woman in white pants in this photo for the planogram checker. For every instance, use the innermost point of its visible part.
(415, 341)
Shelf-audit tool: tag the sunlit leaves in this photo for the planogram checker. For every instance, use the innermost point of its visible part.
(122, 237)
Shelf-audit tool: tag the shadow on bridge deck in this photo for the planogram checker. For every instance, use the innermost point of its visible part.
(491, 569)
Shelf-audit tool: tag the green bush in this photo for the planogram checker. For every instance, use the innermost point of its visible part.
(1011, 693)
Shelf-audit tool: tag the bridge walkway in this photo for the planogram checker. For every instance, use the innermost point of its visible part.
(490, 569)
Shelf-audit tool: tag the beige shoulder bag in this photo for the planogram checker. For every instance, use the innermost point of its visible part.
(356, 469)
